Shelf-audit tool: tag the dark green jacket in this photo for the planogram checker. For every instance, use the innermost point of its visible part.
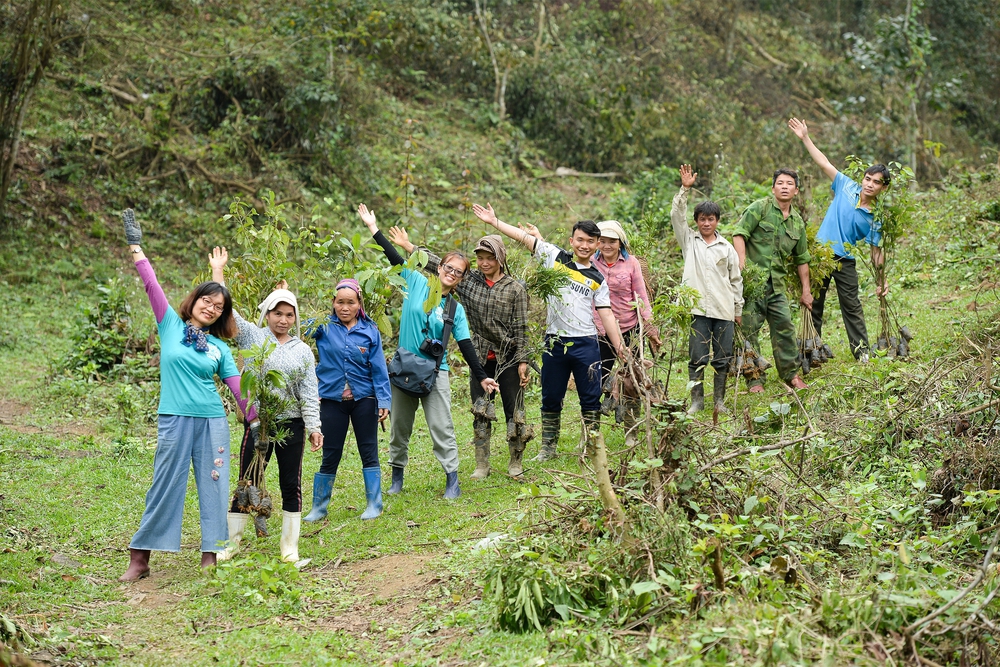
(771, 239)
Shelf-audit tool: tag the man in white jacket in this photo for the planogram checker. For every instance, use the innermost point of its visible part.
(712, 267)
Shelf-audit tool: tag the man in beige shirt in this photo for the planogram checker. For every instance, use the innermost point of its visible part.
(712, 267)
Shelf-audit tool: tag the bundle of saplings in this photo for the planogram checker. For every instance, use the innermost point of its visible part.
(892, 212)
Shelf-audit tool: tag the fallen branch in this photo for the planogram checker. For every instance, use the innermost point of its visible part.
(165, 174)
(120, 94)
(760, 49)
(215, 179)
(754, 450)
(921, 624)
(562, 172)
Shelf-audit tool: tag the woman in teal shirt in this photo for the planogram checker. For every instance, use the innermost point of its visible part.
(192, 425)
(414, 326)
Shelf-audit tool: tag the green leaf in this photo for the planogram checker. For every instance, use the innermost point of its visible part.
(640, 587)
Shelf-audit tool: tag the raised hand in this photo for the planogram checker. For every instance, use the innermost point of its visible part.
(368, 217)
(799, 128)
(399, 236)
(487, 215)
(218, 258)
(688, 176)
(282, 284)
(133, 232)
(531, 229)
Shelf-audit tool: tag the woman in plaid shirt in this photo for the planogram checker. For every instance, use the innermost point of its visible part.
(497, 307)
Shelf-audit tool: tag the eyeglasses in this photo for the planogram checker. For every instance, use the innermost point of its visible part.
(208, 304)
(448, 268)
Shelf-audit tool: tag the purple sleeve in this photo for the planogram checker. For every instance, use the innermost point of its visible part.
(233, 382)
(157, 299)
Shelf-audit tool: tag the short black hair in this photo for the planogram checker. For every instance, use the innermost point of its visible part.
(708, 208)
(880, 169)
(784, 171)
(588, 227)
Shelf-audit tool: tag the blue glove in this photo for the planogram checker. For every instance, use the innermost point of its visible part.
(133, 233)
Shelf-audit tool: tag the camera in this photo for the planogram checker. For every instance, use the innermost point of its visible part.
(432, 347)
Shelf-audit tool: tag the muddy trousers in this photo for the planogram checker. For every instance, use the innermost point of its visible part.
(183, 443)
(289, 453)
(510, 387)
(773, 308)
(846, 277)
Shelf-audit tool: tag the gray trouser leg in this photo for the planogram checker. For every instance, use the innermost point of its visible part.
(437, 410)
(404, 410)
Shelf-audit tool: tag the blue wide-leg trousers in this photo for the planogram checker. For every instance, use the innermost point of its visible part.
(183, 443)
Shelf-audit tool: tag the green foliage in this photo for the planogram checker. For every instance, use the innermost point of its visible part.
(577, 573)
(542, 282)
(754, 281)
(260, 385)
(271, 248)
(136, 411)
(105, 334)
(648, 198)
(894, 207)
(258, 580)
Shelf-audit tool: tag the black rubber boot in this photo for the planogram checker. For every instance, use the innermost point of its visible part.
(397, 481)
(719, 392)
(550, 436)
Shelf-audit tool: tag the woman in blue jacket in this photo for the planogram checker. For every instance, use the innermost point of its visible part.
(353, 390)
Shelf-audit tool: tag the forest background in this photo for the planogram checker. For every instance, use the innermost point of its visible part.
(883, 510)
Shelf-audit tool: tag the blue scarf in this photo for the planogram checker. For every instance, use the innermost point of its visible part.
(195, 336)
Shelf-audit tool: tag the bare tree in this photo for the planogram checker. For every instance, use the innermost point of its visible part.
(35, 29)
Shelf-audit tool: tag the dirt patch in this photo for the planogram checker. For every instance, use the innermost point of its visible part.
(387, 591)
(148, 594)
(10, 410)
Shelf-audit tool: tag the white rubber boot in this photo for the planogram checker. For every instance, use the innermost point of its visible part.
(237, 524)
(291, 524)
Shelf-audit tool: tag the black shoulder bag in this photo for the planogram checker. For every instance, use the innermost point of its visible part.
(414, 375)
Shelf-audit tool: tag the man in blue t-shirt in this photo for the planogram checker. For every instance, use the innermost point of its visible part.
(848, 220)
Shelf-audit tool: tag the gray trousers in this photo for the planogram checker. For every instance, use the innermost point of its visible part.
(437, 412)
(846, 276)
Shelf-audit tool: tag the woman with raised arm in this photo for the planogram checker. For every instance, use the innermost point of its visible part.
(294, 360)
(415, 326)
(192, 430)
(354, 391)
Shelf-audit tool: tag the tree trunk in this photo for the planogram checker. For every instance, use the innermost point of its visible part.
(598, 456)
(23, 64)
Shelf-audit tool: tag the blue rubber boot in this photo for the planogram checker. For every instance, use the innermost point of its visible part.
(397, 481)
(322, 489)
(451, 490)
(373, 492)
